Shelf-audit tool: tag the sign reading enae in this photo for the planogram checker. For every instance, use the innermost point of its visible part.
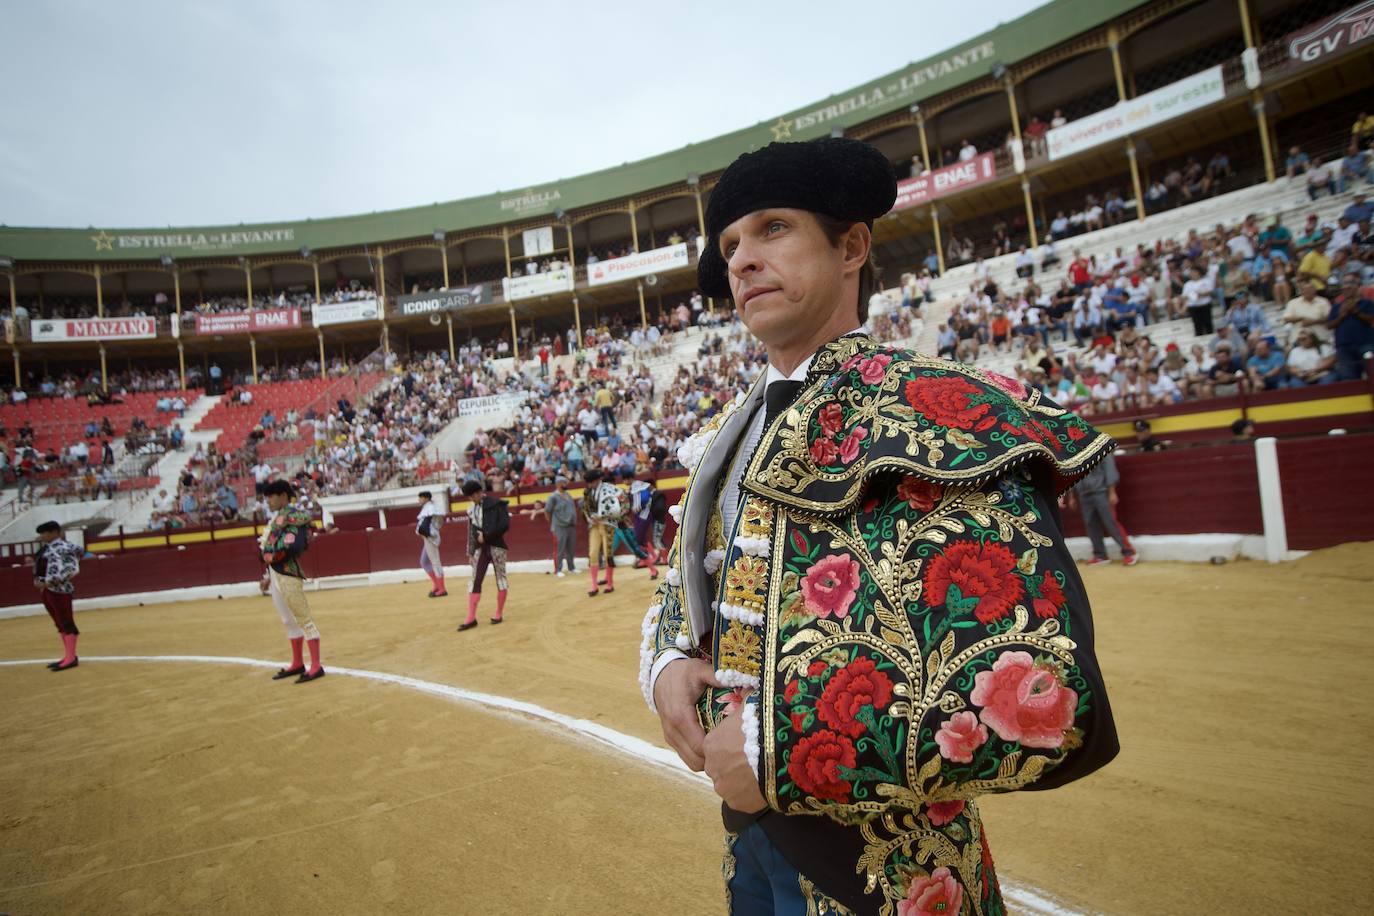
(445, 300)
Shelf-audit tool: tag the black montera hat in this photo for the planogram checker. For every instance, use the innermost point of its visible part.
(49, 526)
(839, 177)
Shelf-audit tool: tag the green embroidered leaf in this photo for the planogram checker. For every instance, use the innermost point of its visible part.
(1028, 561)
(956, 602)
(790, 581)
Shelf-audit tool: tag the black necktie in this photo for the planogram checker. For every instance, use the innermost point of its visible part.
(779, 397)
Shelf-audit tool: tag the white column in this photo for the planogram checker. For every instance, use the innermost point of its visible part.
(1271, 499)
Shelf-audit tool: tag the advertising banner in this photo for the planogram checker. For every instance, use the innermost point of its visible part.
(642, 264)
(94, 328)
(349, 312)
(492, 403)
(1337, 33)
(256, 321)
(532, 285)
(443, 300)
(914, 191)
(1134, 115)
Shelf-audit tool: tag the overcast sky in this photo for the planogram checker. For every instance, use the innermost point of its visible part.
(135, 114)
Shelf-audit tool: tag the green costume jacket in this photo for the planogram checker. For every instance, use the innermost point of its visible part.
(897, 616)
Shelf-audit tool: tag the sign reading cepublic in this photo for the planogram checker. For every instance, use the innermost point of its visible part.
(1337, 33)
(444, 300)
(256, 321)
(640, 264)
(93, 329)
(913, 191)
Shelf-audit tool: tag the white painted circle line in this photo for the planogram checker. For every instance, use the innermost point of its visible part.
(1027, 900)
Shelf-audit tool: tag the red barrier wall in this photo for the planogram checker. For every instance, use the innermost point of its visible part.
(1326, 493)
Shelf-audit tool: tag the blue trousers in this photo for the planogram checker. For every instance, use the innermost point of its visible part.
(760, 881)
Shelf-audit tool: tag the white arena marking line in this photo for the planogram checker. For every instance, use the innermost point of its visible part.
(1027, 900)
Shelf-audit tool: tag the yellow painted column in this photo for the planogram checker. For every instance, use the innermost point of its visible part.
(1114, 43)
(577, 319)
(315, 266)
(1135, 178)
(320, 336)
(181, 363)
(248, 274)
(925, 148)
(443, 253)
(99, 294)
(701, 216)
(381, 285)
(176, 289)
(505, 242)
(572, 255)
(1250, 31)
(452, 350)
(253, 350)
(939, 246)
(643, 314)
(514, 337)
(104, 374)
(18, 372)
(634, 228)
(1025, 184)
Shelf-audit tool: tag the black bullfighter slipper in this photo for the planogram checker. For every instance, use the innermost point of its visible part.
(466, 626)
(496, 620)
(443, 594)
(62, 667)
(284, 673)
(310, 677)
(53, 666)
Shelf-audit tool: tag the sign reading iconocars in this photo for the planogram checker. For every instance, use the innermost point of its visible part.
(444, 300)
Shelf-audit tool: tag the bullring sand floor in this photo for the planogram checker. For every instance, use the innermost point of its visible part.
(1244, 696)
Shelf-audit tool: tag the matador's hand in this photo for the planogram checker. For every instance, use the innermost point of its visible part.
(676, 692)
(729, 769)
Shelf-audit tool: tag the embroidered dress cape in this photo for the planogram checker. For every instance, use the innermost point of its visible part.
(899, 621)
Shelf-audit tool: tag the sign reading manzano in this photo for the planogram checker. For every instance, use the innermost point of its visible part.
(531, 285)
(344, 312)
(951, 178)
(1134, 115)
(444, 300)
(641, 264)
(94, 329)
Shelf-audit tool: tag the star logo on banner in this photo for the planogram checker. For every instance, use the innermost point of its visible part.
(782, 130)
(104, 241)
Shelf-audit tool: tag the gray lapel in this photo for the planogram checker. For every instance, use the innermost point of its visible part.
(696, 512)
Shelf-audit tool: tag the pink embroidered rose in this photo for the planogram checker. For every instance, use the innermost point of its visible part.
(829, 587)
(823, 452)
(831, 418)
(1008, 384)
(289, 539)
(941, 813)
(937, 895)
(1024, 702)
(849, 448)
(873, 369)
(959, 736)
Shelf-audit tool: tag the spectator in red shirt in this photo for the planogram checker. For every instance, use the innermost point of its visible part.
(1080, 272)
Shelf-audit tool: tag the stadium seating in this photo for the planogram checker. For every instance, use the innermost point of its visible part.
(60, 422)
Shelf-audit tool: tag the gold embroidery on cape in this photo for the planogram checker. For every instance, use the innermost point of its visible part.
(741, 648)
(817, 904)
(911, 833)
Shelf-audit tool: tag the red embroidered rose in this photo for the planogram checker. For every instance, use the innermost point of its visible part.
(830, 585)
(921, 494)
(1051, 597)
(798, 720)
(816, 669)
(849, 690)
(789, 693)
(849, 447)
(941, 813)
(1024, 702)
(937, 895)
(815, 765)
(945, 401)
(823, 452)
(1076, 433)
(873, 369)
(959, 736)
(832, 419)
(982, 571)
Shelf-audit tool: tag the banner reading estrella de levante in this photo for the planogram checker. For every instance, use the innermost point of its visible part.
(256, 321)
(93, 329)
(640, 264)
(947, 180)
(1134, 115)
